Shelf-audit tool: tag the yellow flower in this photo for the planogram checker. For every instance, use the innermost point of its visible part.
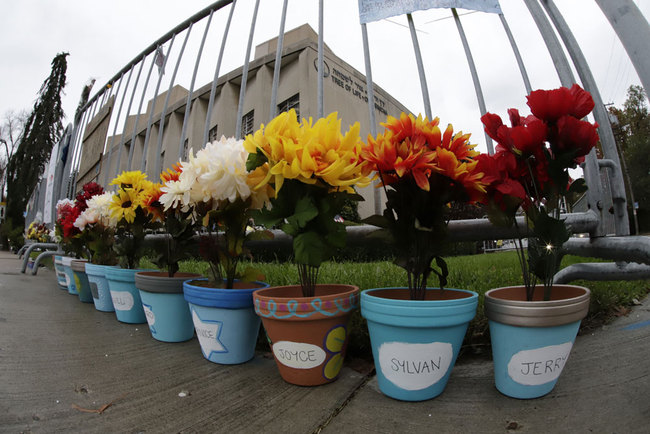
(125, 202)
(308, 152)
(133, 179)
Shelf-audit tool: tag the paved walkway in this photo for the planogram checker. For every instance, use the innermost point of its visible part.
(57, 353)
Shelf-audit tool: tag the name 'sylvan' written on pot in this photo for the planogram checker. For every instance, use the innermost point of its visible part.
(539, 366)
(298, 355)
(415, 366)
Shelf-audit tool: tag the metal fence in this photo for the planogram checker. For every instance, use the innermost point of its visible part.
(117, 108)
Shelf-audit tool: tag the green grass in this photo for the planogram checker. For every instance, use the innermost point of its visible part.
(477, 273)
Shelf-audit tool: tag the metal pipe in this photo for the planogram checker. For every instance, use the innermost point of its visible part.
(420, 65)
(145, 148)
(515, 50)
(161, 129)
(35, 246)
(44, 255)
(472, 69)
(137, 116)
(126, 120)
(602, 271)
(117, 118)
(627, 248)
(244, 75)
(213, 88)
(188, 104)
(278, 63)
(371, 108)
(321, 66)
(608, 143)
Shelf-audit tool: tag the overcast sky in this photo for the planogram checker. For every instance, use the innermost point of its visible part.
(102, 37)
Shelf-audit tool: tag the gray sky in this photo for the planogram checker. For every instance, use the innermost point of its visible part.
(101, 37)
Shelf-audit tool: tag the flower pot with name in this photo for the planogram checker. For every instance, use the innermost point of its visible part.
(165, 308)
(308, 335)
(125, 296)
(60, 272)
(531, 340)
(99, 287)
(415, 342)
(224, 319)
(78, 267)
(66, 261)
(533, 326)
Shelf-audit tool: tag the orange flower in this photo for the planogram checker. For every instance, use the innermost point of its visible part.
(172, 173)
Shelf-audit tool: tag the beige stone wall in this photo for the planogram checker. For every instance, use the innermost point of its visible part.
(343, 87)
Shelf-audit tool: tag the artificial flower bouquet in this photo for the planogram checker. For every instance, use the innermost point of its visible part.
(312, 169)
(422, 171)
(97, 228)
(131, 215)
(67, 213)
(530, 169)
(216, 189)
(38, 232)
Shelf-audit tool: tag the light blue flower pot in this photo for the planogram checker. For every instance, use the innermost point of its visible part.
(225, 320)
(531, 340)
(66, 261)
(415, 343)
(81, 280)
(99, 287)
(166, 310)
(125, 296)
(60, 272)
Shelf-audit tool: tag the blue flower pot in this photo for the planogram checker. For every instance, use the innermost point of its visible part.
(166, 310)
(224, 319)
(60, 273)
(125, 296)
(415, 343)
(81, 280)
(66, 261)
(99, 287)
(531, 340)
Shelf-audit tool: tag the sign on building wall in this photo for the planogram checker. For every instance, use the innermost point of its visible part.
(374, 10)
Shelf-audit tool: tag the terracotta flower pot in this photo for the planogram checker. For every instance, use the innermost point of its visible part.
(415, 343)
(308, 335)
(531, 340)
(165, 308)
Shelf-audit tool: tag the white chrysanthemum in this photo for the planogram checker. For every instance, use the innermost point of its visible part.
(176, 193)
(225, 177)
(101, 205)
(89, 216)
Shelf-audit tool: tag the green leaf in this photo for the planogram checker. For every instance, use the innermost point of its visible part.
(309, 249)
(305, 211)
(255, 160)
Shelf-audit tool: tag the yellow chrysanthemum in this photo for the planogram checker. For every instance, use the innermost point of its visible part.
(133, 179)
(125, 202)
(309, 152)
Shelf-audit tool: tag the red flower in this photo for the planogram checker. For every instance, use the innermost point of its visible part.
(575, 136)
(89, 190)
(551, 105)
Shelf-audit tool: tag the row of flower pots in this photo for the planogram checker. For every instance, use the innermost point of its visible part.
(414, 343)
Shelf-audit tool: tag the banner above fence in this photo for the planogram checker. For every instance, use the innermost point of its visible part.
(374, 10)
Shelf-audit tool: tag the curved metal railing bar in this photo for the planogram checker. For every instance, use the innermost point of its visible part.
(119, 111)
(244, 75)
(139, 111)
(126, 118)
(278, 62)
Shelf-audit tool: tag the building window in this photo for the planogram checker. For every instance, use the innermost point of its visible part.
(291, 103)
(212, 134)
(247, 124)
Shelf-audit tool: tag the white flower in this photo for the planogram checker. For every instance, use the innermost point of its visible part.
(225, 177)
(177, 193)
(101, 205)
(89, 216)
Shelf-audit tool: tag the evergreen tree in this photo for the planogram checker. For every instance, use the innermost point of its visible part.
(42, 130)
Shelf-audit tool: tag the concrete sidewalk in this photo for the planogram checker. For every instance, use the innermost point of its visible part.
(57, 353)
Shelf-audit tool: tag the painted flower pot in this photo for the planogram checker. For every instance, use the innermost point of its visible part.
(99, 287)
(66, 261)
(415, 342)
(531, 340)
(60, 272)
(78, 267)
(125, 296)
(308, 335)
(224, 319)
(167, 312)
